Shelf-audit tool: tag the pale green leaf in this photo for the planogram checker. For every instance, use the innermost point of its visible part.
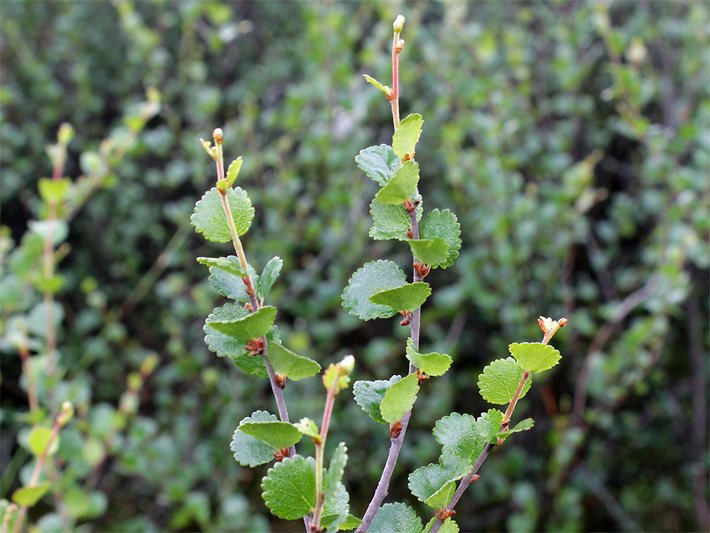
(523, 425)
(209, 217)
(248, 450)
(275, 434)
(336, 508)
(408, 297)
(399, 398)
(230, 284)
(459, 436)
(226, 346)
(402, 186)
(52, 190)
(268, 276)
(55, 230)
(351, 522)
(379, 163)
(233, 171)
(391, 221)
(534, 356)
(227, 264)
(369, 394)
(252, 326)
(373, 277)
(433, 364)
(435, 484)
(308, 428)
(289, 488)
(488, 425)
(332, 373)
(384, 88)
(29, 496)
(407, 134)
(396, 518)
(449, 526)
(290, 364)
(38, 440)
(432, 252)
(500, 380)
(442, 225)
(333, 477)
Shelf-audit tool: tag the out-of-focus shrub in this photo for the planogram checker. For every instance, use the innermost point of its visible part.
(573, 141)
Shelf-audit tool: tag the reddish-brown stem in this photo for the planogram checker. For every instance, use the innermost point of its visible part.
(394, 101)
(473, 474)
(320, 450)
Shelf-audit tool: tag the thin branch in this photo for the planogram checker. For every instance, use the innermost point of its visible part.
(473, 474)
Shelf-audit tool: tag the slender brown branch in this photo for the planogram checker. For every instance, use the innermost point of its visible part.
(320, 450)
(473, 474)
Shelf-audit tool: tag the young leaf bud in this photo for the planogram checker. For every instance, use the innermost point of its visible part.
(66, 414)
(217, 135)
(398, 24)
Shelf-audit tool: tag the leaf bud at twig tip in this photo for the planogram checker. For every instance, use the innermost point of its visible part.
(476, 477)
(399, 46)
(65, 134)
(66, 414)
(217, 135)
(346, 366)
(562, 322)
(398, 24)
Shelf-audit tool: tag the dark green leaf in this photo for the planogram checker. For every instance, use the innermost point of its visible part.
(372, 278)
(402, 186)
(408, 297)
(369, 394)
(379, 163)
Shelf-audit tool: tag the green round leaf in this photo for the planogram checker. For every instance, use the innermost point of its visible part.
(442, 225)
(379, 163)
(407, 134)
(209, 217)
(290, 488)
(252, 326)
(369, 394)
(434, 364)
(535, 356)
(408, 297)
(38, 440)
(399, 398)
(248, 450)
(500, 380)
(276, 434)
(396, 518)
(28, 496)
(290, 364)
(432, 252)
(372, 278)
(402, 186)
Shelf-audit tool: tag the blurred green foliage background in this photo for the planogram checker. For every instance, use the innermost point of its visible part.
(572, 139)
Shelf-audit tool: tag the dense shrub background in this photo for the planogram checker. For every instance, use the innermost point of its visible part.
(576, 157)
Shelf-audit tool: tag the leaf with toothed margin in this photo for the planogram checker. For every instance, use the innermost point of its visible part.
(500, 379)
(226, 346)
(396, 518)
(369, 394)
(276, 434)
(230, 284)
(534, 356)
(399, 398)
(248, 450)
(371, 278)
(289, 488)
(268, 276)
(406, 136)
(252, 326)
(433, 364)
(433, 252)
(449, 526)
(209, 217)
(523, 425)
(402, 186)
(290, 364)
(379, 163)
(488, 425)
(435, 484)
(408, 297)
(459, 436)
(337, 509)
(391, 221)
(335, 502)
(442, 225)
(350, 522)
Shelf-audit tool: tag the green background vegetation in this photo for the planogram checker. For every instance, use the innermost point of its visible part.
(575, 154)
